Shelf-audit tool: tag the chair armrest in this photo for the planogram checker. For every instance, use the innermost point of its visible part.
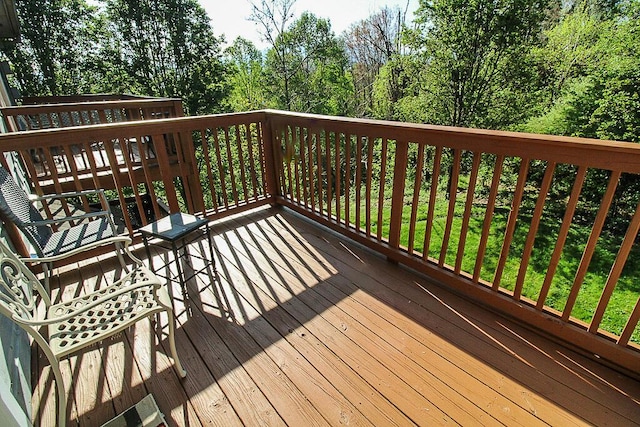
(99, 192)
(49, 197)
(124, 239)
(151, 280)
(104, 214)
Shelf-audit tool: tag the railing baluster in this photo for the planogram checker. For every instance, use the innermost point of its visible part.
(296, 150)
(591, 244)
(616, 269)
(134, 185)
(625, 336)
(338, 174)
(383, 177)
(252, 163)
(327, 137)
(207, 160)
(232, 175)
(417, 186)
(53, 169)
(242, 164)
(144, 150)
(303, 165)
(464, 229)
(347, 181)
(312, 184)
(358, 183)
(74, 173)
(115, 167)
(453, 192)
(288, 156)
(562, 236)
(319, 162)
(368, 186)
(160, 147)
(488, 216)
(433, 192)
(397, 197)
(221, 172)
(265, 158)
(533, 229)
(511, 222)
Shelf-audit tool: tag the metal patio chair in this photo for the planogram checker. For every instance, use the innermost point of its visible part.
(65, 328)
(72, 235)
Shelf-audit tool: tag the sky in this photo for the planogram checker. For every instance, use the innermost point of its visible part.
(229, 17)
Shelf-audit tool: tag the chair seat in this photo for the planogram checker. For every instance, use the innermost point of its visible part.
(108, 317)
(77, 236)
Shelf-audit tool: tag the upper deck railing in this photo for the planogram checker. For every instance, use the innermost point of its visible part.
(492, 215)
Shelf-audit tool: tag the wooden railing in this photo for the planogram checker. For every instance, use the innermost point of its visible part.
(489, 214)
(492, 215)
(74, 113)
(195, 164)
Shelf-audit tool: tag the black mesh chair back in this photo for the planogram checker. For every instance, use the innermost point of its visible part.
(17, 208)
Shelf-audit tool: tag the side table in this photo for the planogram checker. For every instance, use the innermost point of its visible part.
(174, 229)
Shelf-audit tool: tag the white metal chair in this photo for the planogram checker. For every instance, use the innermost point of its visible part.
(76, 234)
(85, 320)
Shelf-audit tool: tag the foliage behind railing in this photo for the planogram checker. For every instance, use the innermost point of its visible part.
(529, 223)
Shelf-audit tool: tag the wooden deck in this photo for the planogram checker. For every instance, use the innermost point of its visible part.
(299, 327)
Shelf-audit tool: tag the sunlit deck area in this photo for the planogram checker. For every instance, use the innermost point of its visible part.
(298, 326)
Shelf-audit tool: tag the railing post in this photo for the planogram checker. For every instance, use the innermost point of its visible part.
(397, 197)
(270, 167)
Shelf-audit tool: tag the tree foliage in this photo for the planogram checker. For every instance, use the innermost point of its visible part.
(593, 86)
(464, 50)
(169, 49)
(306, 65)
(153, 48)
(307, 69)
(371, 44)
(246, 76)
(55, 48)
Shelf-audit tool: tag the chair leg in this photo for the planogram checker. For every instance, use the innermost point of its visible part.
(57, 375)
(172, 344)
(62, 398)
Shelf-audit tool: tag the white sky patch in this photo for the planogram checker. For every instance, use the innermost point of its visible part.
(230, 17)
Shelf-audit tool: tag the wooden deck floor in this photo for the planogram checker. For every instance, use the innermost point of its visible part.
(299, 327)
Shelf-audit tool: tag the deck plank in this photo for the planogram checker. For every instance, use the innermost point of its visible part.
(381, 371)
(388, 339)
(373, 321)
(324, 391)
(547, 381)
(297, 326)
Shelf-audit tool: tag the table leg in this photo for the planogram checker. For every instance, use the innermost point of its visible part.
(176, 257)
(213, 259)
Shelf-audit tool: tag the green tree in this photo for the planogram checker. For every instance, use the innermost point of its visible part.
(247, 76)
(169, 49)
(467, 53)
(593, 70)
(371, 44)
(55, 45)
(307, 69)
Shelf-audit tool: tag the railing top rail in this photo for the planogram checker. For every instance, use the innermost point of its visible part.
(87, 105)
(609, 155)
(603, 154)
(56, 136)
